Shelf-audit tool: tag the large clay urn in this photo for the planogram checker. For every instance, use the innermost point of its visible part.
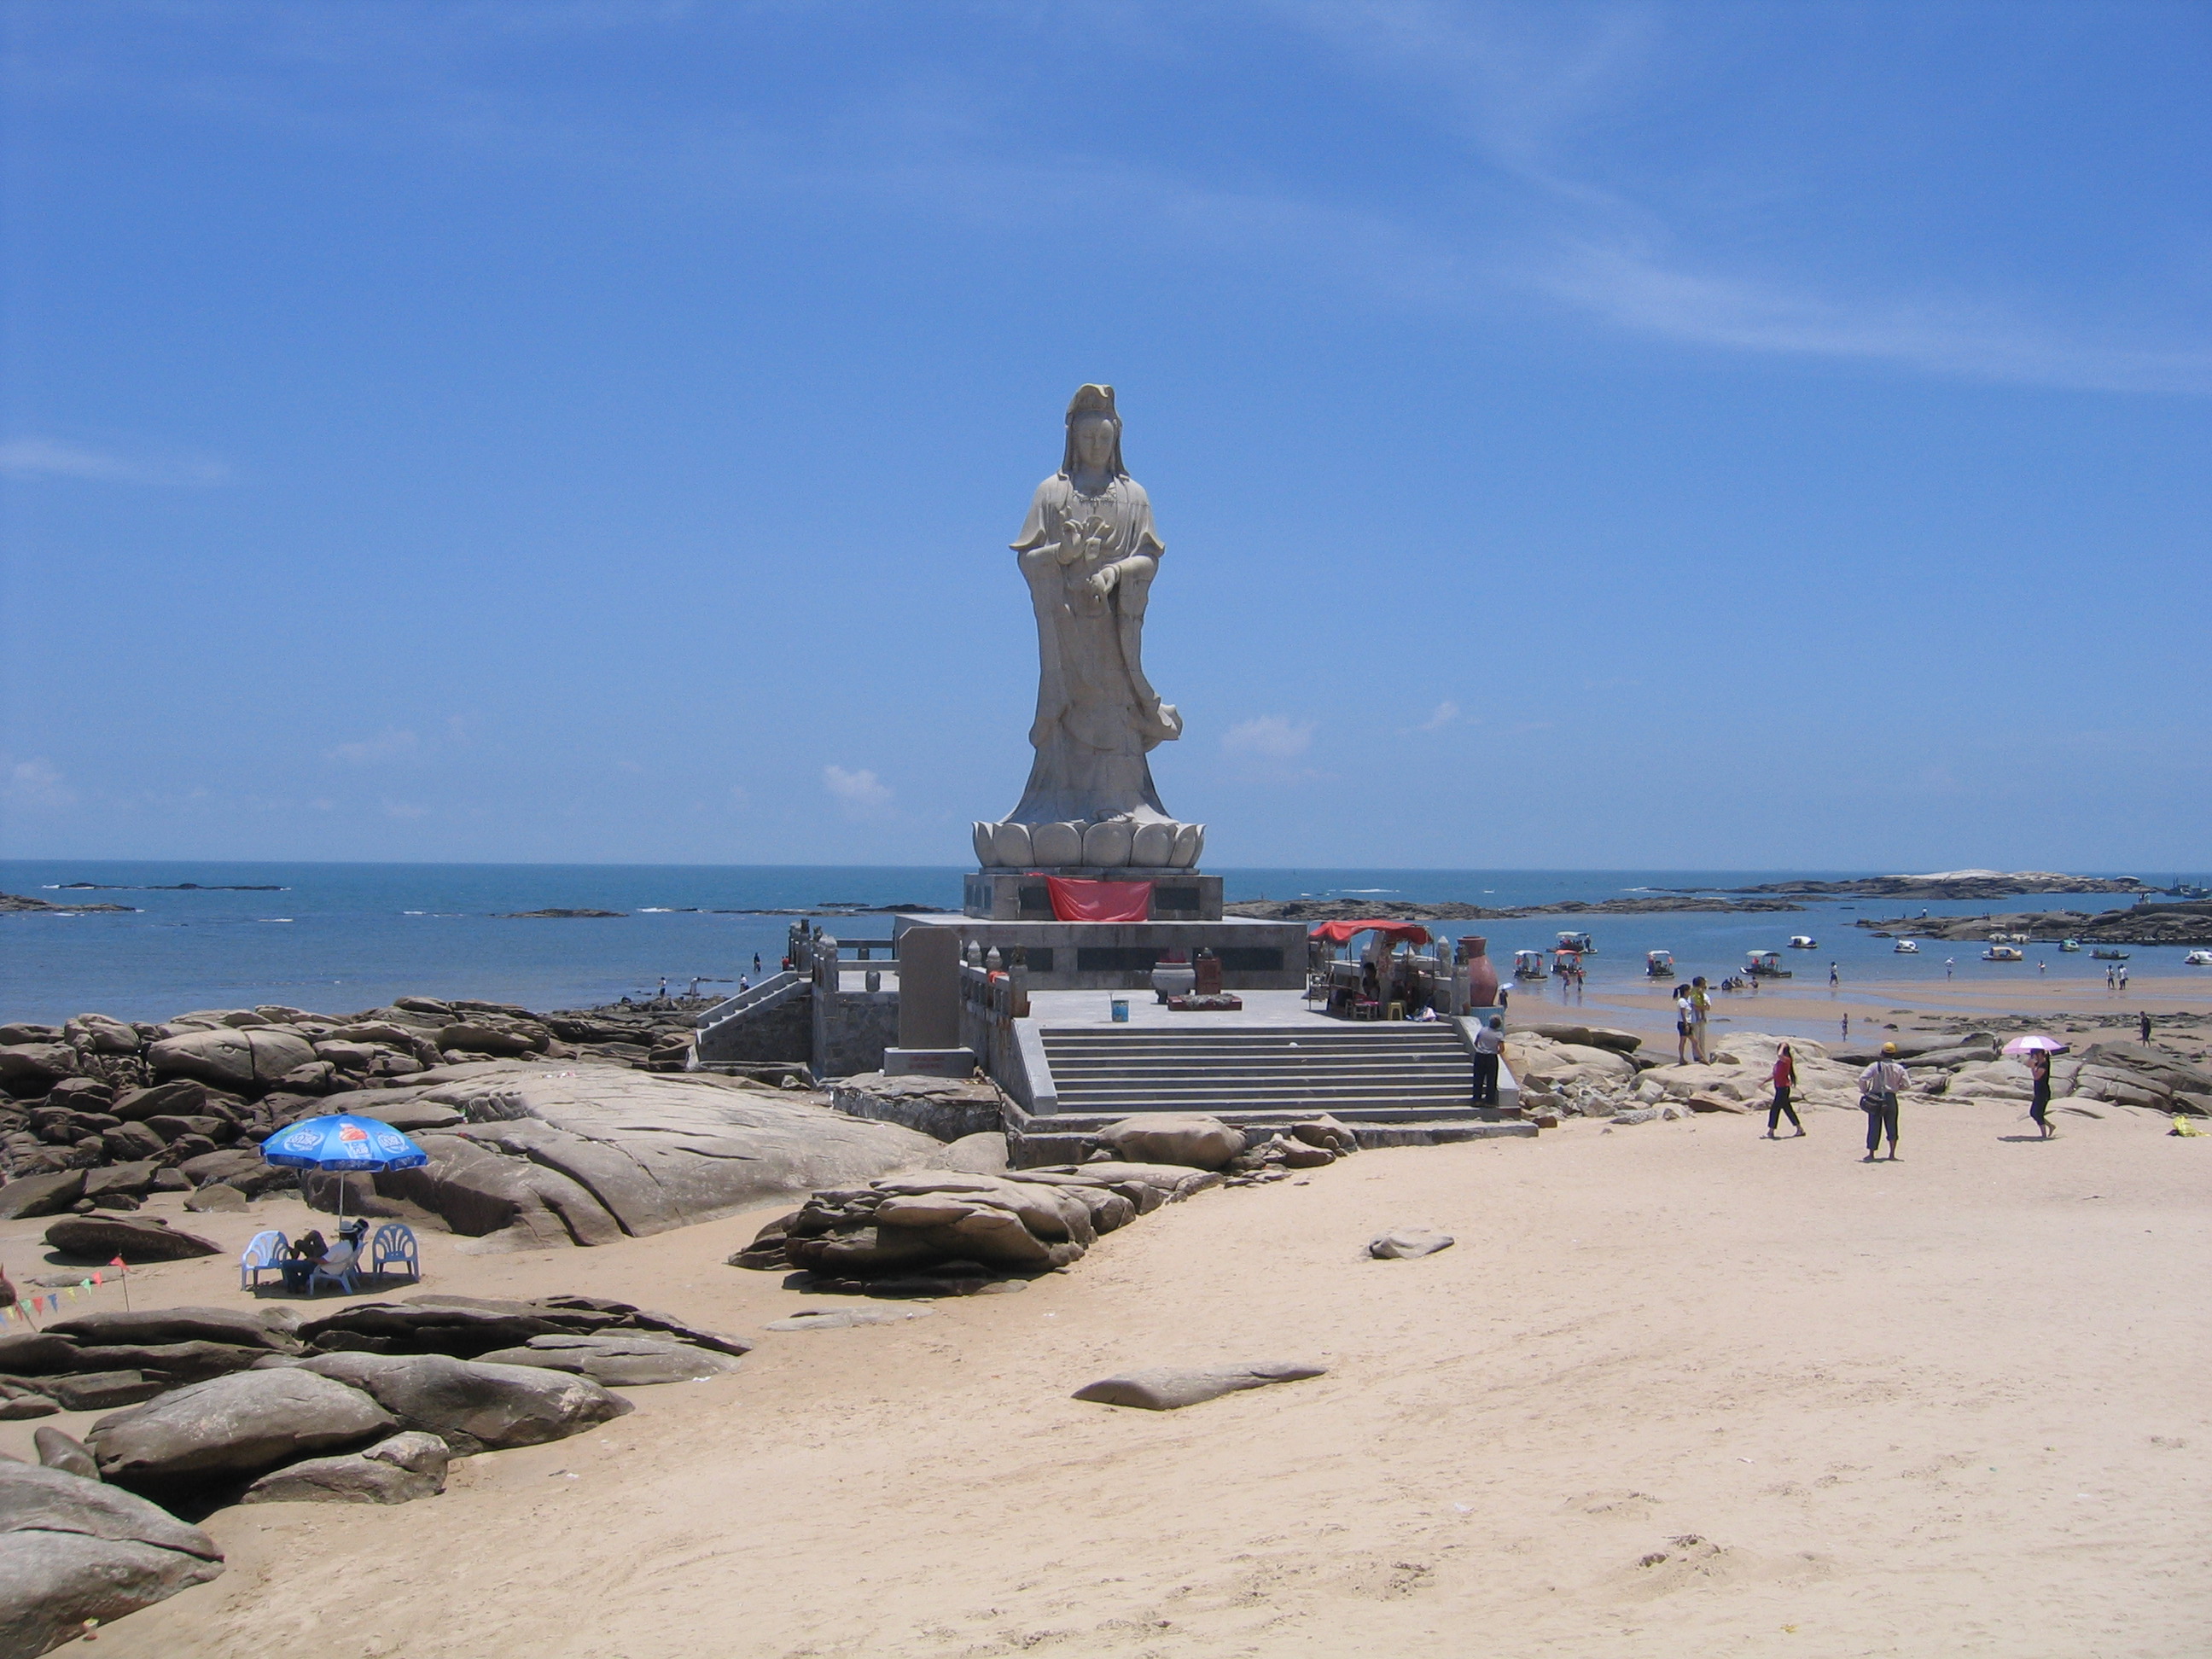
(1481, 972)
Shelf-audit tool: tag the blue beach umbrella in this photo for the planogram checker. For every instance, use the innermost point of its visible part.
(342, 1145)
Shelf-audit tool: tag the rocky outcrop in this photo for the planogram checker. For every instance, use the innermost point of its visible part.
(2185, 922)
(104, 1237)
(395, 1471)
(467, 1328)
(1171, 1387)
(73, 1550)
(618, 1362)
(1202, 1143)
(233, 1427)
(947, 1233)
(591, 1154)
(472, 1406)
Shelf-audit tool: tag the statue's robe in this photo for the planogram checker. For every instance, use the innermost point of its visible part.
(1096, 715)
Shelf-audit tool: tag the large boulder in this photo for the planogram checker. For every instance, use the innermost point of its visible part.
(1998, 1079)
(1169, 1387)
(1200, 1143)
(31, 1068)
(73, 1549)
(399, 1470)
(135, 1238)
(233, 1427)
(179, 1098)
(231, 1058)
(231, 1327)
(30, 1195)
(508, 1202)
(1588, 1036)
(470, 1406)
(37, 1353)
(621, 1151)
(624, 1361)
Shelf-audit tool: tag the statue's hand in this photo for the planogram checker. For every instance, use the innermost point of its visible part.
(1105, 580)
(1071, 541)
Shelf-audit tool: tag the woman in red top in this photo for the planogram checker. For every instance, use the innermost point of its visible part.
(1785, 1079)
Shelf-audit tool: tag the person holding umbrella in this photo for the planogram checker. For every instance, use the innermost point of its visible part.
(341, 1145)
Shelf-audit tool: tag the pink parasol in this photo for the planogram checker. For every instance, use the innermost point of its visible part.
(2026, 1045)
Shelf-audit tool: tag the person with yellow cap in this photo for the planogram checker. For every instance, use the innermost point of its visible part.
(1880, 1085)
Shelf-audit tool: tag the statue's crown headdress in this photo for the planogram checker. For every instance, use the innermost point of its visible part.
(1092, 401)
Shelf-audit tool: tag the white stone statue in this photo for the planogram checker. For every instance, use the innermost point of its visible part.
(1089, 551)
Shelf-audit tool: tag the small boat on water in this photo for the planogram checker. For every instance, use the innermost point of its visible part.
(1529, 965)
(1766, 964)
(1580, 943)
(1659, 964)
(1905, 947)
(2069, 945)
(2004, 953)
(2106, 953)
(2198, 959)
(1804, 942)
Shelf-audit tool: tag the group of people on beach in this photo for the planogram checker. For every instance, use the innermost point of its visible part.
(1882, 1083)
(1694, 1010)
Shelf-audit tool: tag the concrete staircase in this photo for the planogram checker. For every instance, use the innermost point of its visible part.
(724, 1027)
(1396, 1083)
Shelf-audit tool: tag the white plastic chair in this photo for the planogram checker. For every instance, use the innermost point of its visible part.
(395, 1242)
(264, 1253)
(336, 1268)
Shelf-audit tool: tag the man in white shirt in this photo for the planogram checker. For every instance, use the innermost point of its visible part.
(1489, 1043)
(1880, 1085)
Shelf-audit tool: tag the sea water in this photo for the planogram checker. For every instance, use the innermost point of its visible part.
(338, 938)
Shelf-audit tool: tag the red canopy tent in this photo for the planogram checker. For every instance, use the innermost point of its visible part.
(1337, 933)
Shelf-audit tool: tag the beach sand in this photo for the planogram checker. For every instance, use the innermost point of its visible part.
(1679, 1389)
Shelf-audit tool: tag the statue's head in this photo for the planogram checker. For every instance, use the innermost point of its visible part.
(1094, 434)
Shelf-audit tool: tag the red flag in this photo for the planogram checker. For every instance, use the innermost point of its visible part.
(117, 1262)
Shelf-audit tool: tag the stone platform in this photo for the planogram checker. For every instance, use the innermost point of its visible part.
(1120, 955)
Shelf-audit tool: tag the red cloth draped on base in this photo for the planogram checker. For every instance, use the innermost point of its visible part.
(1100, 900)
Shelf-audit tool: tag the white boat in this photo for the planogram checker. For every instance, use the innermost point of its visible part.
(2198, 959)
(1581, 944)
(1804, 942)
(2070, 945)
(1905, 947)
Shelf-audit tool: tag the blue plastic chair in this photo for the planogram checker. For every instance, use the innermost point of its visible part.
(395, 1242)
(264, 1253)
(336, 1268)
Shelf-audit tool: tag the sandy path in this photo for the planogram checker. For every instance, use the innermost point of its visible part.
(1951, 1404)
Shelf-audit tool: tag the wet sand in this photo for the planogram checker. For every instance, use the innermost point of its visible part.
(1679, 1390)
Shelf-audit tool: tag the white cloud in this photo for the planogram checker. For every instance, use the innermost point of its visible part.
(388, 744)
(860, 792)
(36, 783)
(1444, 713)
(53, 458)
(1271, 735)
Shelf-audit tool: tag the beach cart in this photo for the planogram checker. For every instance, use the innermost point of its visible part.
(1659, 964)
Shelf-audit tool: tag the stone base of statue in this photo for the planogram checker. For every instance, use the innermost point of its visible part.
(1114, 845)
(1023, 896)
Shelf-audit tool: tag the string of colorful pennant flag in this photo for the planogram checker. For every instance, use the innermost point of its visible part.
(24, 1307)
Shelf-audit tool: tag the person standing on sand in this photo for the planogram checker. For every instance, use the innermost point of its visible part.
(1489, 1043)
(2142, 1024)
(1949, 962)
(1701, 1013)
(1847, 1025)
(1683, 1015)
(1785, 1079)
(1834, 978)
(1880, 1085)
(2038, 1079)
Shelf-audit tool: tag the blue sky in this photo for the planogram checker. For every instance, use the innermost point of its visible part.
(1641, 436)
